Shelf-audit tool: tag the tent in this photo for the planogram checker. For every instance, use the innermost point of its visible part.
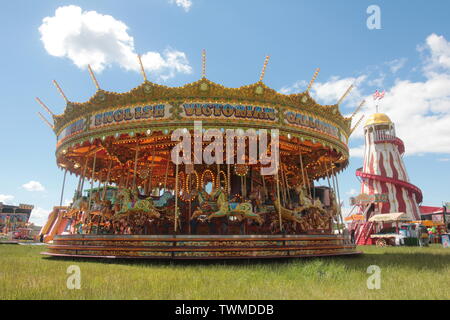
(388, 217)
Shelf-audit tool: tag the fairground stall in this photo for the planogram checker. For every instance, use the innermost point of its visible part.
(158, 189)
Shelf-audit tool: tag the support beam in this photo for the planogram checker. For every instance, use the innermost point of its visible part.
(263, 71)
(94, 79)
(358, 108)
(60, 91)
(142, 68)
(204, 64)
(176, 199)
(45, 107)
(345, 95)
(62, 189)
(313, 79)
(45, 120)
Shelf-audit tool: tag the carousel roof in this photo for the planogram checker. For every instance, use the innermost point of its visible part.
(201, 90)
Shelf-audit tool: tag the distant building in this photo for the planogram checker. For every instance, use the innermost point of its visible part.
(435, 214)
(14, 217)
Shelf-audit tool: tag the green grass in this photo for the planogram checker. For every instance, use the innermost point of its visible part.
(406, 273)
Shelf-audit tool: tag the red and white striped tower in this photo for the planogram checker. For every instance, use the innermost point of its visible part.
(384, 171)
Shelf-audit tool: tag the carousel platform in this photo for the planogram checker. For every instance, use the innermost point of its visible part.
(195, 247)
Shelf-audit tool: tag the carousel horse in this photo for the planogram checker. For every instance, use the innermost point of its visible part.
(290, 215)
(136, 205)
(163, 200)
(80, 204)
(242, 210)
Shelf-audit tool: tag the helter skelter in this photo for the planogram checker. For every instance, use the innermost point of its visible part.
(147, 201)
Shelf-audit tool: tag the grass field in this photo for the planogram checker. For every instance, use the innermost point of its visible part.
(406, 273)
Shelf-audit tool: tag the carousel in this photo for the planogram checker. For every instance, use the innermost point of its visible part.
(147, 187)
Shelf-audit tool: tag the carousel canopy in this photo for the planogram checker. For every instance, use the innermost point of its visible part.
(113, 133)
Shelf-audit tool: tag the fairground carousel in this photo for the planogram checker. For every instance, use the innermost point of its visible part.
(200, 172)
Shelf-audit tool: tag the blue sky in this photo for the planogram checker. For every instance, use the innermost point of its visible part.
(409, 58)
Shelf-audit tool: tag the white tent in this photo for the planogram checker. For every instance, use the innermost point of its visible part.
(389, 217)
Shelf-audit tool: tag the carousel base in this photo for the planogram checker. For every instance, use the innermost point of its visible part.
(190, 247)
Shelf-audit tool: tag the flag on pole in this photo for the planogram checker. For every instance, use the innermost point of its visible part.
(378, 95)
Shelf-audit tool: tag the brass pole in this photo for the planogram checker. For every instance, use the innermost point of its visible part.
(92, 180)
(229, 180)
(279, 202)
(151, 173)
(167, 172)
(84, 175)
(176, 197)
(107, 179)
(62, 190)
(135, 164)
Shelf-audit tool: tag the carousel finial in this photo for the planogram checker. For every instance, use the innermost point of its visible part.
(345, 94)
(358, 108)
(356, 125)
(313, 79)
(142, 68)
(45, 120)
(263, 72)
(93, 77)
(44, 106)
(203, 64)
(60, 91)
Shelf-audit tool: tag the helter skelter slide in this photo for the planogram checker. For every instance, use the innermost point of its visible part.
(384, 173)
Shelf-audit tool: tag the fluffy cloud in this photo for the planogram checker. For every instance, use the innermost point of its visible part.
(33, 186)
(6, 198)
(88, 37)
(396, 64)
(329, 92)
(420, 109)
(39, 216)
(437, 50)
(185, 4)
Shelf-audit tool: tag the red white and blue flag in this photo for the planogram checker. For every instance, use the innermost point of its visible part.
(378, 95)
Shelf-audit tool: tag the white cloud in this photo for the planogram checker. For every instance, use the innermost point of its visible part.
(352, 192)
(331, 91)
(6, 198)
(185, 4)
(419, 109)
(396, 64)
(297, 87)
(88, 37)
(421, 113)
(33, 186)
(437, 49)
(359, 150)
(39, 216)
